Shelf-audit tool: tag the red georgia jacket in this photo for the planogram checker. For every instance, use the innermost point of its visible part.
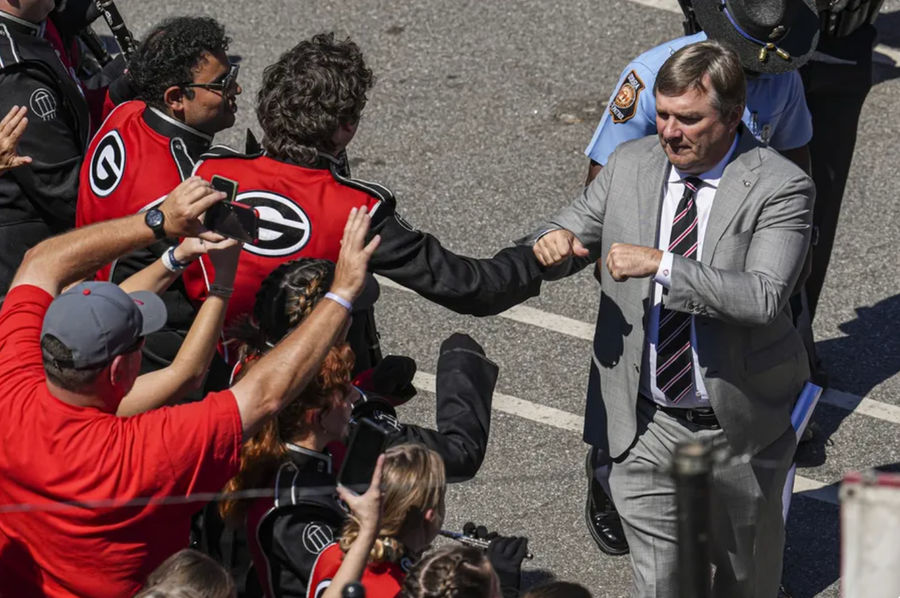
(302, 214)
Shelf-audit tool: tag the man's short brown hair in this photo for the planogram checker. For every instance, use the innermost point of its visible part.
(689, 66)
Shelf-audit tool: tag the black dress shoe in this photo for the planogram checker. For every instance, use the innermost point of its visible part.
(600, 514)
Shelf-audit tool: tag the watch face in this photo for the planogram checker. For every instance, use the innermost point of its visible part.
(154, 218)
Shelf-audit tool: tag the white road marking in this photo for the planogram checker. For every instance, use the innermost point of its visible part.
(570, 422)
(883, 54)
(583, 330)
(870, 407)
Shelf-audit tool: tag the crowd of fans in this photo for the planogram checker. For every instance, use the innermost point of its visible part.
(168, 386)
(245, 377)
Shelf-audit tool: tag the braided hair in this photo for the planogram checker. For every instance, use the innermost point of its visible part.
(450, 571)
(285, 299)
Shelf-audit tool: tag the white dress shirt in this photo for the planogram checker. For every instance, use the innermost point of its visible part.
(673, 191)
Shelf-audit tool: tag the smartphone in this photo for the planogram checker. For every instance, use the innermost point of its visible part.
(367, 440)
(229, 218)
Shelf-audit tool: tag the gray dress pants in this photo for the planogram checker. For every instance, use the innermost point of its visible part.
(746, 523)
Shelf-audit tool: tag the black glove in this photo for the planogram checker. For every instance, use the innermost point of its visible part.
(506, 555)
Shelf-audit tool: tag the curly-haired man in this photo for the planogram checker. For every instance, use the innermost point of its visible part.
(309, 107)
(185, 90)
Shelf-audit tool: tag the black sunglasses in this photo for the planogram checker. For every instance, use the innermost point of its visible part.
(228, 85)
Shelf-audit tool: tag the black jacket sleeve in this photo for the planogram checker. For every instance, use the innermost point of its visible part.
(465, 285)
(49, 185)
(465, 388)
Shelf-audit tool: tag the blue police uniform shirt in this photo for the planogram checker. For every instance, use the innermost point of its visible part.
(776, 111)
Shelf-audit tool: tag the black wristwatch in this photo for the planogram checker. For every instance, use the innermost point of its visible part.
(155, 219)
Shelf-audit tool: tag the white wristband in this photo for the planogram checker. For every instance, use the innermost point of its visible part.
(338, 299)
(170, 263)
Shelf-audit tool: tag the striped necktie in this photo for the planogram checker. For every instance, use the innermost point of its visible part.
(674, 358)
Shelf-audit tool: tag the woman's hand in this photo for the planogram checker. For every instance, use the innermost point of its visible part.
(366, 507)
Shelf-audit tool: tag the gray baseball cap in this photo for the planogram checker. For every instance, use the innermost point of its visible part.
(97, 321)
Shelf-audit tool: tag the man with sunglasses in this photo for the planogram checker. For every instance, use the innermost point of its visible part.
(186, 90)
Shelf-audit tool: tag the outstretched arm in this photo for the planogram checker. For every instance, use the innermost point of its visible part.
(59, 261)
(465, 388)
(284, 371)
(480, 287)
(188, 370)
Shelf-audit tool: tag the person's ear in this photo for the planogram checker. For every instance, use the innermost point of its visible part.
(117, 369)
(736, 115)
(174, 97)
(430, 515)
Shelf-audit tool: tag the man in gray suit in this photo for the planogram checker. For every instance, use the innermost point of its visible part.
(703, 233)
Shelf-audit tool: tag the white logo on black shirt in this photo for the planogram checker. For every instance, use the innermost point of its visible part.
(43, 104)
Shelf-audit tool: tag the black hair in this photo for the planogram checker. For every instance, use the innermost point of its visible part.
(171, 52)
(286, 296)
(313, 89)
(55, 357)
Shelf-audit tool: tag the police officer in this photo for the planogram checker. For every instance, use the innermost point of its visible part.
(837, 80)
(37, 71)
(776, 114)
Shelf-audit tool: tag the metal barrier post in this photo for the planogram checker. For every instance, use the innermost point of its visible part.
(691, 468)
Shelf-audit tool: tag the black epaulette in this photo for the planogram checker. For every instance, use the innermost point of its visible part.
(374, 189)
(9, 51)
(223, 151)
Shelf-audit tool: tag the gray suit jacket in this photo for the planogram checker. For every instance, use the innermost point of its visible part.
(752, 359)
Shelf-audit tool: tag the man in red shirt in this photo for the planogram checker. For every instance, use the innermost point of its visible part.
(82, 491)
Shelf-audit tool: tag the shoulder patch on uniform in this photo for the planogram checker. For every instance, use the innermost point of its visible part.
(316, 537)
(624, 105)
(42, 103)
(107, 164)
(9, 54)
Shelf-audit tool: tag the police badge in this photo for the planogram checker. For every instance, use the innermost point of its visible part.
(624, 105)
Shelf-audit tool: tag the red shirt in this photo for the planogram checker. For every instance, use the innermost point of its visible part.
(380, 580)
(53, 452)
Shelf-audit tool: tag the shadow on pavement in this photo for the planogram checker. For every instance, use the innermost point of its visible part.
(856, 363)
(812, 552)
(888, 25)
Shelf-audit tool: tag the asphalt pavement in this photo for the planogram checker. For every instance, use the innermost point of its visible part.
(477, 122)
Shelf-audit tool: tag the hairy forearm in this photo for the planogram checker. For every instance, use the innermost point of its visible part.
(61, 260)
(281, 374)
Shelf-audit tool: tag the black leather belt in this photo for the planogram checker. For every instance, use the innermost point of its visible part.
(703, 417)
